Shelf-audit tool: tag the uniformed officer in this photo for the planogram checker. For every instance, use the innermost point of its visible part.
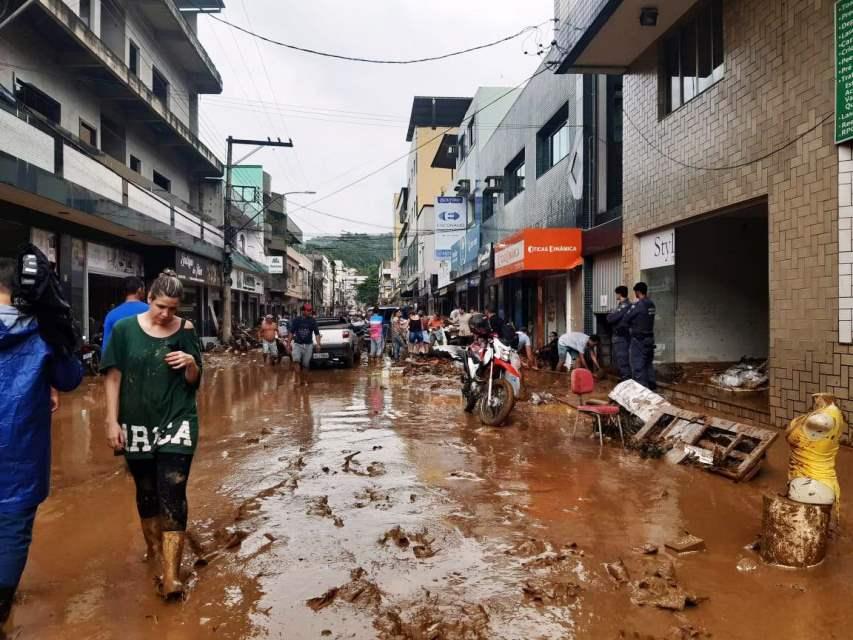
(640, 319)
(621, 334)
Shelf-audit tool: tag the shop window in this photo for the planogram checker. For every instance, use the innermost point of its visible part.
(552, 141)
(692, 56)
(163, 182)
(88, 134)
(38, 101)
(514, 177)
(160, 87)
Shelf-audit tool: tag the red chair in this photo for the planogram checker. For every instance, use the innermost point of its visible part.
(583, 383)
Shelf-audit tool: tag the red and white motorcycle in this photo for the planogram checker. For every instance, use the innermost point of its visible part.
(491, 378)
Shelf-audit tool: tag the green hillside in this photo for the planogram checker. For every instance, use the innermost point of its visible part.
(357, 250)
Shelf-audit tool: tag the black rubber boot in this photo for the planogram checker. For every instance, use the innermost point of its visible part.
(7, 594)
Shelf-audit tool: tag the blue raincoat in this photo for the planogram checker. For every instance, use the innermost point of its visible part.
(28, 369)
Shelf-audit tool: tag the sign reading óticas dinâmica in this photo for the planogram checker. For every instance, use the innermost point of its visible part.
(843, 70)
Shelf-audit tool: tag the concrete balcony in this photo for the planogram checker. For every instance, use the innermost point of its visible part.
(48, 171)
(86, 56)
(606, 36)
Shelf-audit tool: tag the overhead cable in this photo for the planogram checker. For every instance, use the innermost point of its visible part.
(337, 56)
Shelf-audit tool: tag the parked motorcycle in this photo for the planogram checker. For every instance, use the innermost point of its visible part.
(90, 354)
(491, 378)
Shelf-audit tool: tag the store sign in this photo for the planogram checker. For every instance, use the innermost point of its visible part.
(657, 249)
(248, 282)
(450, 222)
(110, 261)
(197, 269)
(843, 70)
(538, 250)
(275, 264)
(457, 255)
(485, 257)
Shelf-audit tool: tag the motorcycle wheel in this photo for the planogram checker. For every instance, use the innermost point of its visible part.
(95, 364)
(503, 400)
(469, 398)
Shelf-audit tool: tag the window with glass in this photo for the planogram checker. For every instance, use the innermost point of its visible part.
(693, 55)
(514, 177)
(552, 142)
(88, 133)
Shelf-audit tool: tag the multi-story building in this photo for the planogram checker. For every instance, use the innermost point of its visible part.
(322, 284)
(251, 188)
(100, 160)
(540, 197)
(737, 200)
(388, 275)
(430, 120)
(464, 281)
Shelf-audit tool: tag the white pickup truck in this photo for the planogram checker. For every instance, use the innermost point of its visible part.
(340, 343)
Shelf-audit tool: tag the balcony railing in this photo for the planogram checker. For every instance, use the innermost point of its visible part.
(43, 145)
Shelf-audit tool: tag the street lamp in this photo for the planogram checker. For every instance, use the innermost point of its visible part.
(284, 201)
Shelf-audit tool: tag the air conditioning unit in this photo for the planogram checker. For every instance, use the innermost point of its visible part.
(495, 184)
(463, 187)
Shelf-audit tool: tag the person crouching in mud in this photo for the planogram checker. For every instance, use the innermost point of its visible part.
(153, 369)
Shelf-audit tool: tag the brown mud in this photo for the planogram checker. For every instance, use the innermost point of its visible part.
(512, 532)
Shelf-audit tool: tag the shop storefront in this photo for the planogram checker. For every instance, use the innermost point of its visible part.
(202, 280)
(535, 268)
(106, 269)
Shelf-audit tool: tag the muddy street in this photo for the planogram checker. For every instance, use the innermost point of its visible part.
(368, 505)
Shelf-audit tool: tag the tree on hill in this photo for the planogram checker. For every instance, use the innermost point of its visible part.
(368, 291)
(360, 251)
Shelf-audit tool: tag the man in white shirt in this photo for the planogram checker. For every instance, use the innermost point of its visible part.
(525, 348)
(580, 347)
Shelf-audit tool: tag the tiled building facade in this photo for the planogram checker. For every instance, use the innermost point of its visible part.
(758, 138)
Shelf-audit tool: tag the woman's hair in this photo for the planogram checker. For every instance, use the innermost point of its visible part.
(167, 285)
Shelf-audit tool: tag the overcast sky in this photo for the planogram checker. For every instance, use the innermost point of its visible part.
(347, 119)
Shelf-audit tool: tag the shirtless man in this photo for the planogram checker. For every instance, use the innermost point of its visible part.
(267, 335)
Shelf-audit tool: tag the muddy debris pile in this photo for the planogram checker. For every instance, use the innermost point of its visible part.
(320, 507)
(351, 465)
(373, 496)
(555, 590)
(659, 588)
(434, 620)
(420, 542)
(359, 591)
(431, 366)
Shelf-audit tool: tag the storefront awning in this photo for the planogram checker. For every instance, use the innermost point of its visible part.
(538, 249)
(247, 264)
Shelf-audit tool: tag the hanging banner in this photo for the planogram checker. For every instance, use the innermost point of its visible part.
(450, 223)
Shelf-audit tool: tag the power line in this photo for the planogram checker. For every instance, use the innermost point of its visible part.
(327, 54)
(421, 145)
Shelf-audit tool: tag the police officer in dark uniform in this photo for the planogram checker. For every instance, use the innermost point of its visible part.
(640, 319)
(621, 334)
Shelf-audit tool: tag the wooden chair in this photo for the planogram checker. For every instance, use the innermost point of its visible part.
(583, 383)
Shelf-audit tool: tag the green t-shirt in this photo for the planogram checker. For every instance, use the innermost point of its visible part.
(157, 409)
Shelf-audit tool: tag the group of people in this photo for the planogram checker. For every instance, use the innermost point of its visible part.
(299, 338)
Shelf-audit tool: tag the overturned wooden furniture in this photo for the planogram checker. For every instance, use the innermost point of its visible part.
(732, 449)
(794, 534)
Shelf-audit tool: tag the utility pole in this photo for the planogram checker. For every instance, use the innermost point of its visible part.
(229, 233)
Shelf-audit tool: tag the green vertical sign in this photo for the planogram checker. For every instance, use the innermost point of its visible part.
(843, 70)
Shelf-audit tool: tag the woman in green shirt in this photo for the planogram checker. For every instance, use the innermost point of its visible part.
(153, 370)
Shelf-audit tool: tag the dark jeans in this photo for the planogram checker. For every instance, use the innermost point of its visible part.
(16, 533)
(161, 488)
(642, 361)
(622, 356)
